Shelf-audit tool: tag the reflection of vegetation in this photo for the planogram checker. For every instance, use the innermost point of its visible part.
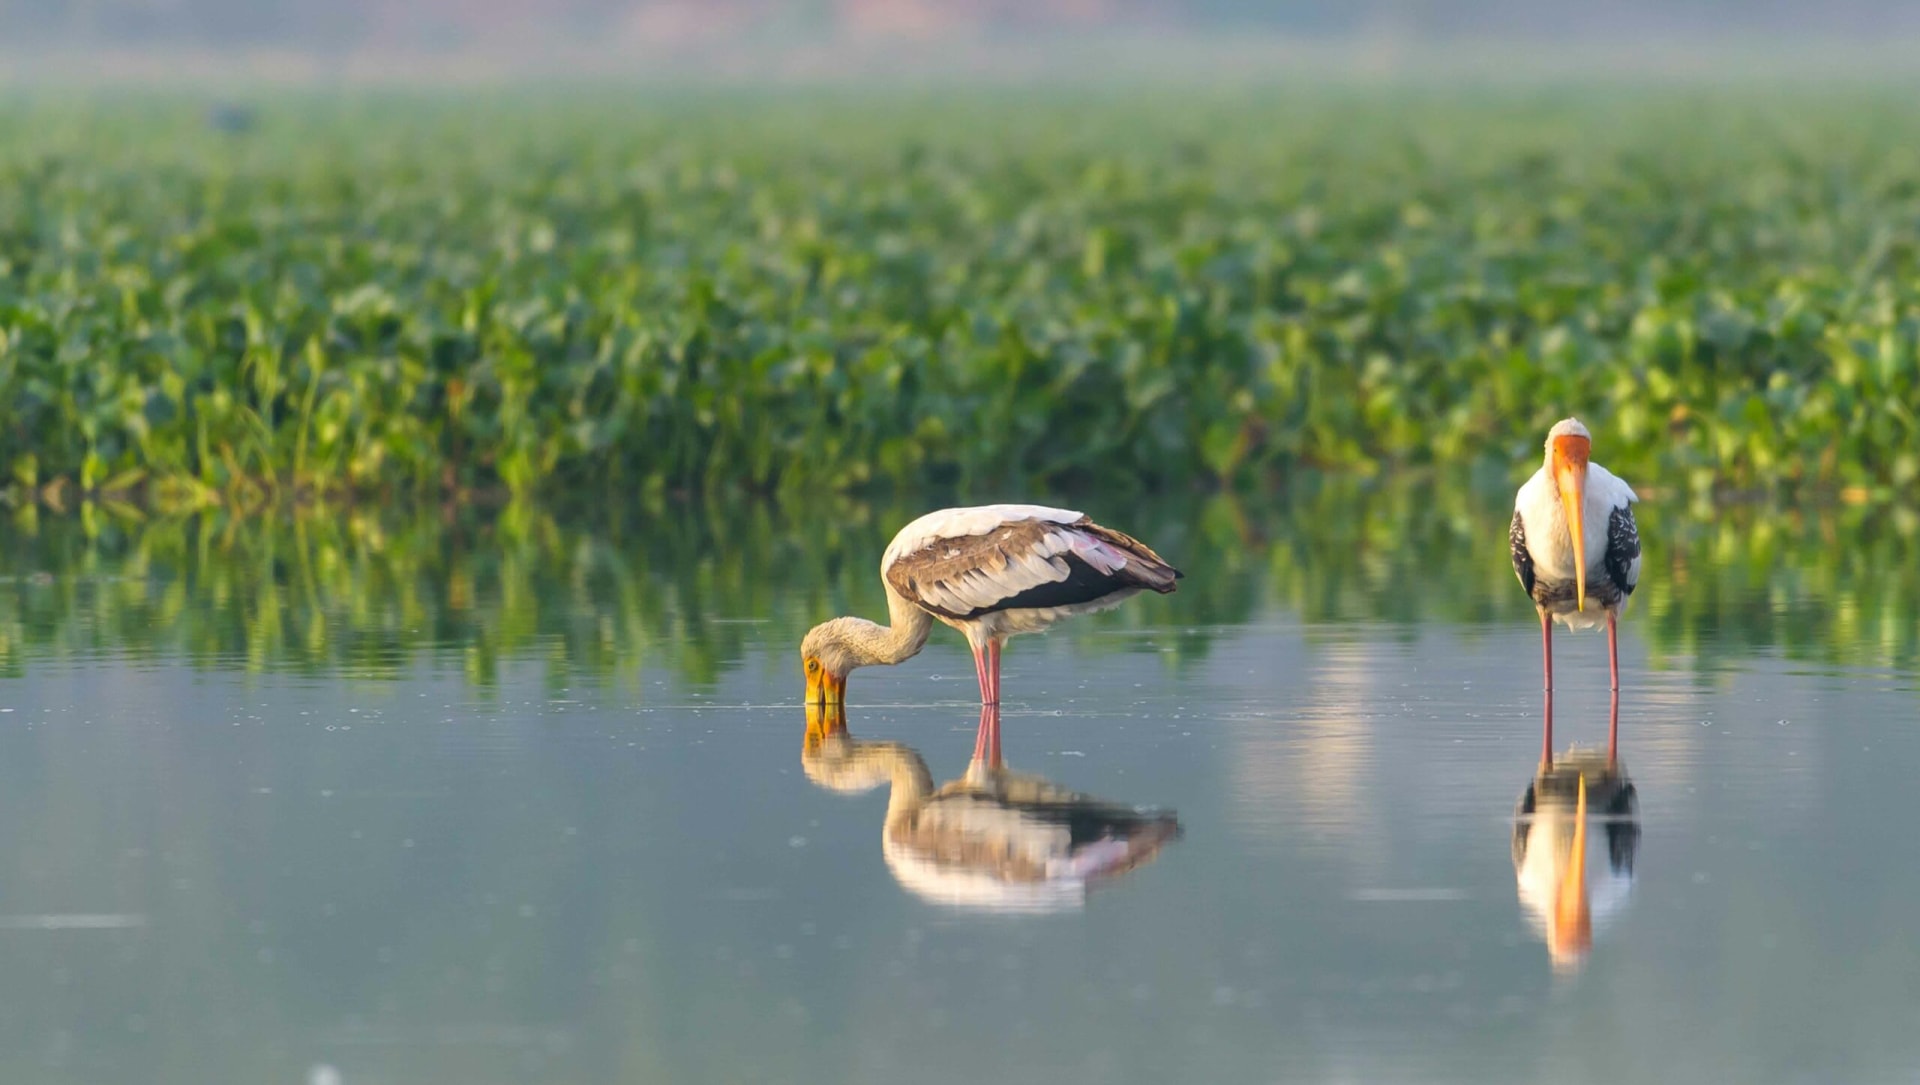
(694, 589)
(824, 292)
(684, 587)
(368, 593)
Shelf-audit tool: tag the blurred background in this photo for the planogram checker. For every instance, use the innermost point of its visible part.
(759, 39)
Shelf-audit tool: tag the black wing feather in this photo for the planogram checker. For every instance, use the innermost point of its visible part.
(1522, 557)
(1623, 545)
(1084, 584)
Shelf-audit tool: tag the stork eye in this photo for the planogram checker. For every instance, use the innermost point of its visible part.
(812, 665)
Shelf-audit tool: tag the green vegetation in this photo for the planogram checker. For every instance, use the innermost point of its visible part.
(830, 293)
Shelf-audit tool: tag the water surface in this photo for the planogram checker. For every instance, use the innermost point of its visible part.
(477, 798)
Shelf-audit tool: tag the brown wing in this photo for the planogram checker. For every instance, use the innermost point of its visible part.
(1027, 564)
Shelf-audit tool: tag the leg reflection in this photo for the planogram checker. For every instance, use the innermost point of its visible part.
(1546, 731)
(986, 741)
(1613, 727)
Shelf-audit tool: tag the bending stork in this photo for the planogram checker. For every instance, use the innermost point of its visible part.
(1573, 535)
(991, 572)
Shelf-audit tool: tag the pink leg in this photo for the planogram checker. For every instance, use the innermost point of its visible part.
(993, 672)
(980, 669)
(1546, 647)
(1613, 728)
(1546, 718)
(1613, 650)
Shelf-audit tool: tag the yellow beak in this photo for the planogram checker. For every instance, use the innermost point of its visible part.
(1570, 476)
(824, 688)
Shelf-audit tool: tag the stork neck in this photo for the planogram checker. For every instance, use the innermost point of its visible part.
(906, 635)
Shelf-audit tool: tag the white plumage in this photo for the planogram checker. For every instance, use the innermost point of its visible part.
(965, 522)
(1574, 543)
(1550, 542)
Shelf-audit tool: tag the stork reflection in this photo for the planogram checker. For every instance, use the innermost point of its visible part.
(1563, 905)
(994, 839)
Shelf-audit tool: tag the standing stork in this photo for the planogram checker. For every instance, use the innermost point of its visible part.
(992, 572)
(1573, 536)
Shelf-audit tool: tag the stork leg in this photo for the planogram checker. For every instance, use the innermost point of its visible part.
(980, 671)
(1546, 716)
(993, 672)
(990, 708)
(986, 740)
(1613, 727)
(1613, 650)
(1546, 647)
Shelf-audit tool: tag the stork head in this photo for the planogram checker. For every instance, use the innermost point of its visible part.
(826, 655)
(1568, 446)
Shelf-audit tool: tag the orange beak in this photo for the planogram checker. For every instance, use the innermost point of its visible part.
(1572, 931)
(1570, 477)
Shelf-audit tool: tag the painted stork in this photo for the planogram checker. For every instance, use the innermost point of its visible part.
(1573, 537)
(1550, 851)
(993, 840)
(992, 572)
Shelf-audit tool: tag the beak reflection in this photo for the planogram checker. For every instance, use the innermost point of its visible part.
(1564, 903)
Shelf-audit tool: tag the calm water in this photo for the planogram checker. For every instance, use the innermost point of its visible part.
(353, 799)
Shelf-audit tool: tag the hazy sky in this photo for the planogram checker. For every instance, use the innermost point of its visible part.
(449, 24)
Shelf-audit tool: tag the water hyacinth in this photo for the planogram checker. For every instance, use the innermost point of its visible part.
(601, 294)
